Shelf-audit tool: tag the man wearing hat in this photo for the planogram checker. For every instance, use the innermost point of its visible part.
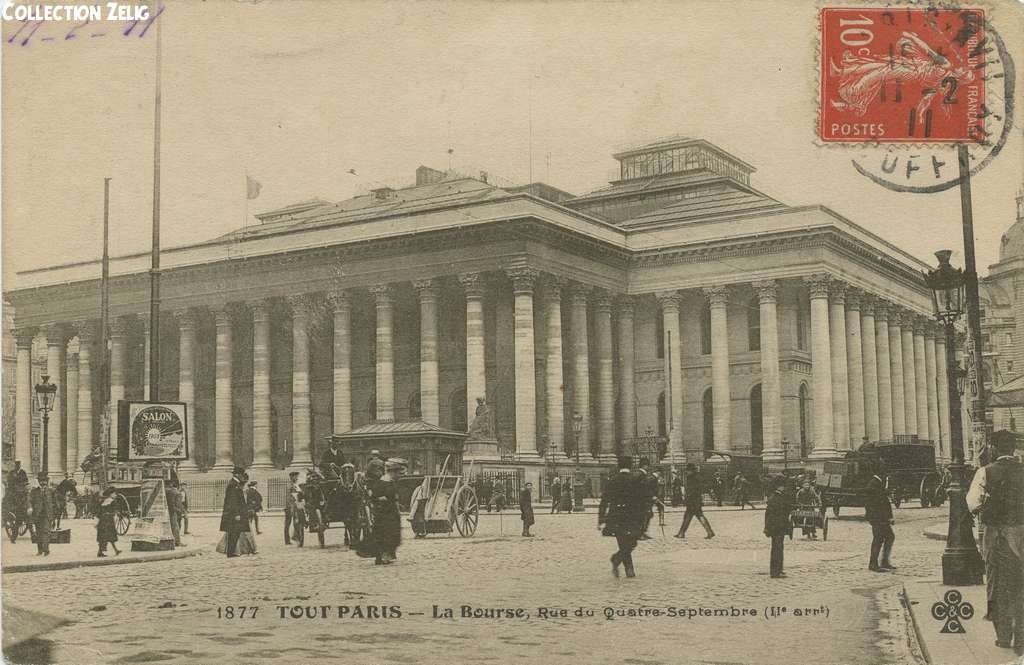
(17, 485)
(526, 508)
(878, 511)
(694, 499)
(387, 520)
(332, 459)
(375, 467)
(997, 493)
(776, 523)
(289, 506)
(254, 503)
(234, 517)
(621, 514)
(42, 510)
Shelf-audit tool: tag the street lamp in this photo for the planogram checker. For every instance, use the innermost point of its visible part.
(46, 393)
(577, 481)
(961, 563)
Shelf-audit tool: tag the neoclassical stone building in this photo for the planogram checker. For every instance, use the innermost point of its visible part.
(679, 299)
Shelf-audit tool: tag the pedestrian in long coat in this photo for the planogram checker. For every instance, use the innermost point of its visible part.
(106, 525)
(387, 518)
(776, 523)
(42, 510)
(621, 514)
(556, 494)
(694, 503)
(997, 493)
(878, 512)
(234, 518)
(526, 508)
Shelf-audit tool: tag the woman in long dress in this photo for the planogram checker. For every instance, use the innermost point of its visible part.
(106, 526)
(387, 520)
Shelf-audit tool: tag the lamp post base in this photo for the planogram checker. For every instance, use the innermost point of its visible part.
(962, 565)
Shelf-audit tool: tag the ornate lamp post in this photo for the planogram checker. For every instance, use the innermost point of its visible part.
(46, 392)
(577, 481)
(961, 563)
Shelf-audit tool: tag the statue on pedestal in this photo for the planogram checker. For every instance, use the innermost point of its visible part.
(482, 427)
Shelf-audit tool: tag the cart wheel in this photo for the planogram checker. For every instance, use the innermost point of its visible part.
(929, 484)
(835, 510)
(824, 529)
(10, 526)
(25, 528)
(467, 511)
(123, 523)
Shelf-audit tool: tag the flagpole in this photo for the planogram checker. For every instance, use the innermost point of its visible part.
(154, 273)
(104, 324)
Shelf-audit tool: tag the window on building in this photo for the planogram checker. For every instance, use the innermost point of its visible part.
(754, 325)
(801, 325)
(708, 408)
(1009, 367)
(802, 398)
(659, 333)
(756, 423)
(705, 329)
(662, 416)
(1009, 339)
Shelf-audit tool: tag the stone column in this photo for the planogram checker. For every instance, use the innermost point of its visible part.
(855, 367)
(942, 381)
(884, 366)
(523, 280)
(86, 337)
(840, 385)
(821, 366)
(553, 381)
(56, 344)
(118, 363)
(899, 413)
(931, 390)
(385, 298)
(24, 397)
(302, 435)
(261, 362)
(869, 359)
(718, 299)
(627, 378)
(186, 321)
(144, 318)
(71, 438)
(342, 307)
(909, 373)
(581, 367)
(223, 454)
(771, 384)
(605, 375)
(669, 302)
(920, 378)
(476, 370)
(430, 406)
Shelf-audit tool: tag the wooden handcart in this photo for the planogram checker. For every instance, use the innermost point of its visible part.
(805, 516)
(444, 504)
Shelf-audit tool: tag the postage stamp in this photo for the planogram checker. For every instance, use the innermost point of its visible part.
(902, 75)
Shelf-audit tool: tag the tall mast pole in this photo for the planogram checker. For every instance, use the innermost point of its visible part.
(104, 335)
(154, 272)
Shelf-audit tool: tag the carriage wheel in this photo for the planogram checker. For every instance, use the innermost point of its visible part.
(824, 529)
(25, 528)
(929, 484)
(320, 527)
(835, 509)
(10, 526)
(123, 523)
(467, 511)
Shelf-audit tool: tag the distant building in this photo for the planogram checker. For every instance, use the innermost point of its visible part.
(1002, 320)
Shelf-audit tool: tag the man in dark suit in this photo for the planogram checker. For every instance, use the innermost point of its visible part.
(621, 514)
(331, 460)
(878, 511)
(556, 494)
(42, 511)
(526, 508)
(234, 518)
(694, 498)
(776, 523)
(649, 493)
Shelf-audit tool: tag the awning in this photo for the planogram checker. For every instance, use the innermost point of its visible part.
(1009, 394)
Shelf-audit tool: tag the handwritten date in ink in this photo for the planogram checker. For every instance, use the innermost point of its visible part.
(26, 32)
(237, 612)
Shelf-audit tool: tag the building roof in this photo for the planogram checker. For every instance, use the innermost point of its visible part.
(1011, 246)
(389, 428)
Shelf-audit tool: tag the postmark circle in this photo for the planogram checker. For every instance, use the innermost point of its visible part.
(930, 169)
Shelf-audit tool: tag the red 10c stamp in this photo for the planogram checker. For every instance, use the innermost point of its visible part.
(902, 75)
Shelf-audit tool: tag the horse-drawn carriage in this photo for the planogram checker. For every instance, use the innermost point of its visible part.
(339, 502)
(907, 469)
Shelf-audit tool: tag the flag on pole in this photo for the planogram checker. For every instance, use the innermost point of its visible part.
(252, 188)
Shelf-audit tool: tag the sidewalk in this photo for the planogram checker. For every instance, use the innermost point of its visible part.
(936, 531)
(976, 646)
(21, 557)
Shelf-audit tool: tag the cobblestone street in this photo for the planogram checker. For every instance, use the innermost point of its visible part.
(168, 611)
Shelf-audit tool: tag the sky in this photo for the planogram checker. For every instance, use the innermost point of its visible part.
(297, 94)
